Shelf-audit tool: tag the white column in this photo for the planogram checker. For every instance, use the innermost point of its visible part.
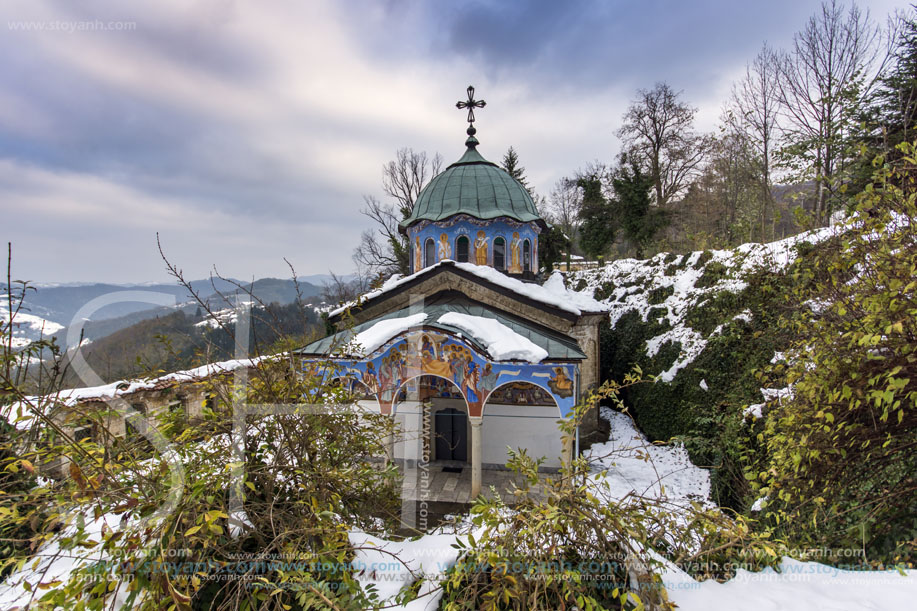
(476, 455)
(390, 445)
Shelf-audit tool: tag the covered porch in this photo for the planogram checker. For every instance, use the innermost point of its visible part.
(463, 382)
(440, 483)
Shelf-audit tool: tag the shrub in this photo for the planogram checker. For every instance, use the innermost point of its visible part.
(841, 470)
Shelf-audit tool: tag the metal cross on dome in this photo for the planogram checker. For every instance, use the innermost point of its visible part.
(470, 104)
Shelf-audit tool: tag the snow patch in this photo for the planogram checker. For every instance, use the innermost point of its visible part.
(502, 343)
(369, 340)
(637, 466)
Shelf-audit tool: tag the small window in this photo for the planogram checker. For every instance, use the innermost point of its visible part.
(500, 253)
(461, 249)
(526, 256)
(429, 253)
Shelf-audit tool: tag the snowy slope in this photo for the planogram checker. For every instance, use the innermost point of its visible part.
(678, 284)
(634, 465)
(27, 327)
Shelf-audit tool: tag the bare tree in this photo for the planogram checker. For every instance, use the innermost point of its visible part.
(383, 251)
(755, 103)
(564, 206)
(824, 79)
(404, 177)
(341, 289)
(659, 131)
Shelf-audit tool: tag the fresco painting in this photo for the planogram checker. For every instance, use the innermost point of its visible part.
(461, 372)
(481, 234)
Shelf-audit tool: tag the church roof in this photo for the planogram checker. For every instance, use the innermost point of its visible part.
(476, 187)
(552, 294)
(557, 346)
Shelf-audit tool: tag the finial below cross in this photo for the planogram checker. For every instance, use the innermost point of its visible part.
(470, 104)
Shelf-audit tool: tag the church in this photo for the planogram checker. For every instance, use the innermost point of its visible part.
(474, 352)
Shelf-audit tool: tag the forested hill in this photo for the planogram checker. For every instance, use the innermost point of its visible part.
(182, 339)
(50, 309)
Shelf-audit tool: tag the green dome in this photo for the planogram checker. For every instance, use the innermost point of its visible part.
(476, 187)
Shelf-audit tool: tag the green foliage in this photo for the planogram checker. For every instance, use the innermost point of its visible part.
(303, 478)
(551, 245)
(710, 423)
(660, 294)
(702, 259)
(640, 221)
(841, 469)
(597, 228)
(571, 549)
(713, 273)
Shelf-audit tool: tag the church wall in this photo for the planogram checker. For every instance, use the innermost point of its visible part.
(586, 333)
(521, 426)
(481, 235)
(531, 427)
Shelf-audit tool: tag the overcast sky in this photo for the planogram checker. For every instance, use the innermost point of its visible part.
(246, 132)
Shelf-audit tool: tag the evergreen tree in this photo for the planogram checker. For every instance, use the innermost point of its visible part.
(892, 108)
(551, 245)
(510, 163)
(597, 228)
(640, 221)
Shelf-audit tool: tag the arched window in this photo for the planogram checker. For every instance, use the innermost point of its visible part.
(526, 256)
(499, 254)
(461, 249)
(429, 253)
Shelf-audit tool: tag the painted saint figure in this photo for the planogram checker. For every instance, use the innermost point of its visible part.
(470, 382)
(488, 379)
(418, 255)
(515, 249)
(369, 379)
(445, 252)
(480, 249)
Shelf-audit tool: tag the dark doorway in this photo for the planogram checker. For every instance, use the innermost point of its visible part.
(451, 430)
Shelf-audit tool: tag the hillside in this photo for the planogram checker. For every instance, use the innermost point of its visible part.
(704, 324)
(182, 339)
(50, 309)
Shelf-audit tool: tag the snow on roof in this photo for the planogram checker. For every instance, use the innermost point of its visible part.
(553, 292)
(370, 339)
(501, 342)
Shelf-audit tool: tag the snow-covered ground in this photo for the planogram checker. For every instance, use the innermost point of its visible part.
(55, 563)
(634, 465)
(27, 327)
(799, 586)
(389, 566)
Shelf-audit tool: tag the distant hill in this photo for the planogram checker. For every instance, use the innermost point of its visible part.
(177, 339)
(60, 303)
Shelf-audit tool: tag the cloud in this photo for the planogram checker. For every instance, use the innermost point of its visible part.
(245, 132)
